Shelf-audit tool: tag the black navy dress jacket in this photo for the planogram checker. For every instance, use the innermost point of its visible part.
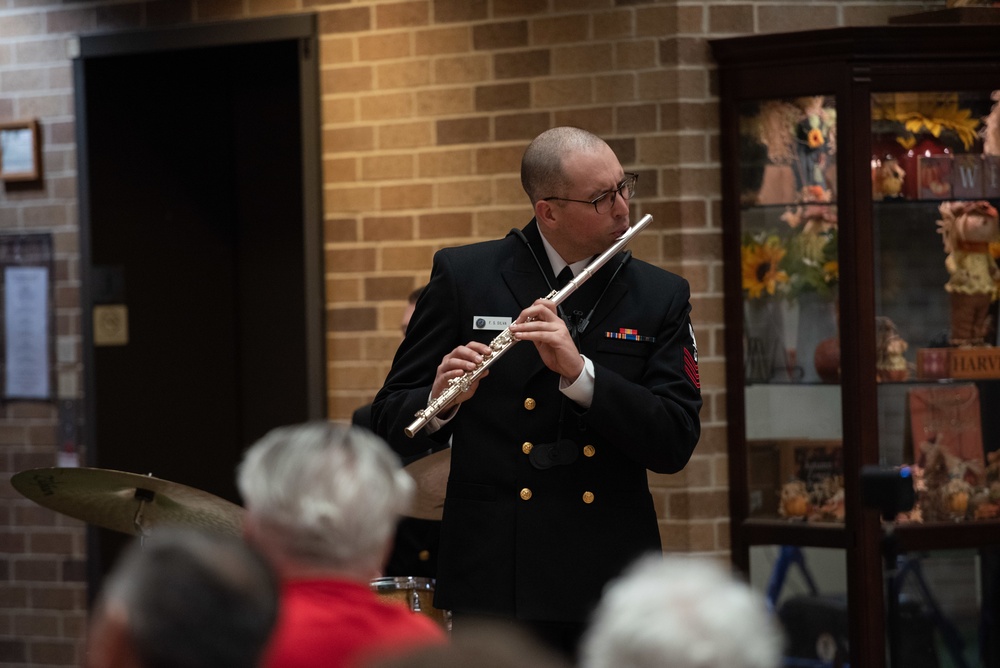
(541, 543)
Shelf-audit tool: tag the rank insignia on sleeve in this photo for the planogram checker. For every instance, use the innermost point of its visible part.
(628, 335)
(691, 368)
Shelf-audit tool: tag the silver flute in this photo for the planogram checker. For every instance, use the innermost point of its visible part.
(505, 340)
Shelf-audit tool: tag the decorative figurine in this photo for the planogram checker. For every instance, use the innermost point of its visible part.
(967, 229)
(890, 364)
(794, 500)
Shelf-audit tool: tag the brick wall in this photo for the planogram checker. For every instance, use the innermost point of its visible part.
(427, 106)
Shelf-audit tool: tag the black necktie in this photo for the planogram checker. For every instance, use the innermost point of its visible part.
(564, 277)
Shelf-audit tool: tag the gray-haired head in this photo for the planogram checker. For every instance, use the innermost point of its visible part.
(541, 165)
(682, 612)
(324, 496)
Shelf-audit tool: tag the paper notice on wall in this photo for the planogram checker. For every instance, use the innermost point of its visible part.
(26, 332)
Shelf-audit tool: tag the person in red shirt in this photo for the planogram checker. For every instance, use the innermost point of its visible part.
(322, 502)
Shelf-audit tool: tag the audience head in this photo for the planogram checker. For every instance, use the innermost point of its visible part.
(184, 599)
(322, 498)
(681, 612)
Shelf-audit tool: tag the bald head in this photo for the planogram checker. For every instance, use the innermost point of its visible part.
(541, 166)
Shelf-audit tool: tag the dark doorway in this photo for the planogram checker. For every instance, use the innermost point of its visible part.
(199, 179)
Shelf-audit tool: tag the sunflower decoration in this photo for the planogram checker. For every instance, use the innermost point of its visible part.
(938, 115)
(761, 263)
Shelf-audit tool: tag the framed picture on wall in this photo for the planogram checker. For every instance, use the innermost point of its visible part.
(20, 153)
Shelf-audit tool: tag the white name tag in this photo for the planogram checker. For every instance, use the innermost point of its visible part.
(492, 322)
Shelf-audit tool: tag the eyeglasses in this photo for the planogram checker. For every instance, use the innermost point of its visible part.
(606, 200)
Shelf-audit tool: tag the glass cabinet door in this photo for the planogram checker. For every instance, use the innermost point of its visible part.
(935, 168)
(788, 237)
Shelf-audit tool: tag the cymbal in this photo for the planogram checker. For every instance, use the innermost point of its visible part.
(127, 502)
(431, 475)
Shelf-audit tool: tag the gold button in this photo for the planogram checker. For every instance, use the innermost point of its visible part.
(424, 555)
(588, 497)
(529, 403)
(588, 451)
(526, 447)
(525, 494)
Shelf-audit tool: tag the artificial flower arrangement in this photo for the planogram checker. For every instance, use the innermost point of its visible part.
(800, 258)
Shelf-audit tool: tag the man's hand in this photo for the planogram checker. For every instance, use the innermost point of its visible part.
(541, 324)
(456, 364)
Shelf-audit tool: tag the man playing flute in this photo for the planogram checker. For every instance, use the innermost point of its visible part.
(547, 497)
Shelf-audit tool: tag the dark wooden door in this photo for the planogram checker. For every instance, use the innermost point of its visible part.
(199, 230)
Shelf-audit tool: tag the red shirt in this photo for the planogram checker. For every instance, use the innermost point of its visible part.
(335, 623)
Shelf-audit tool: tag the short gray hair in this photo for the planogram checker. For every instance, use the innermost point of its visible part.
(541, 165)
(327, 495)
(682, 612)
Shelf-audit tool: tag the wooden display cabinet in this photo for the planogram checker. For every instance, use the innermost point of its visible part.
(844, 153)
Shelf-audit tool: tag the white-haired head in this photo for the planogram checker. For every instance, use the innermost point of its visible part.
(322, 496)
(682, 612)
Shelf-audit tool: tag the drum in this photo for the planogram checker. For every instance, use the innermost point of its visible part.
(416, 593)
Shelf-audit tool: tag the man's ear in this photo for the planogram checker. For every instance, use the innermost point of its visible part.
(545, 213)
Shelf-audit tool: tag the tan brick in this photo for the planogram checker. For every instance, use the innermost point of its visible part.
(502, 96)
(585, 58)
(438, 225)
(383, 46)
(474, 129)
(340, 110)
(690, 20)
(387, 167)
(657, 85)
(406, 196)
(407, 74)
(465, 193)
(387, 228)
(443, 40)
(340, 229)
(658, 149)
(411, 258)
(561, 30)
(693, 148)
(449, 11)
(599, 120)
(343, 346)
(343, 199)
(617, 88)
(402, 14)
(527, 125)
(360, 138)
(383, 288)
(444, 101)
(337, 50)
(616, 24)
(340, 170)
(347, 20)
(405, 135)
(357, 377)
(350, 319)
(506, 35)
(350, 259)
(507, 190)
(343, 289)
(636, 118)
(499, 160)
(731, 19)
(496, 224)
(562, 93)
(386, 107)
(462, 69)
(792, 17)
(444, 163)
(656, 21)
(522, 64)
(350, 79)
